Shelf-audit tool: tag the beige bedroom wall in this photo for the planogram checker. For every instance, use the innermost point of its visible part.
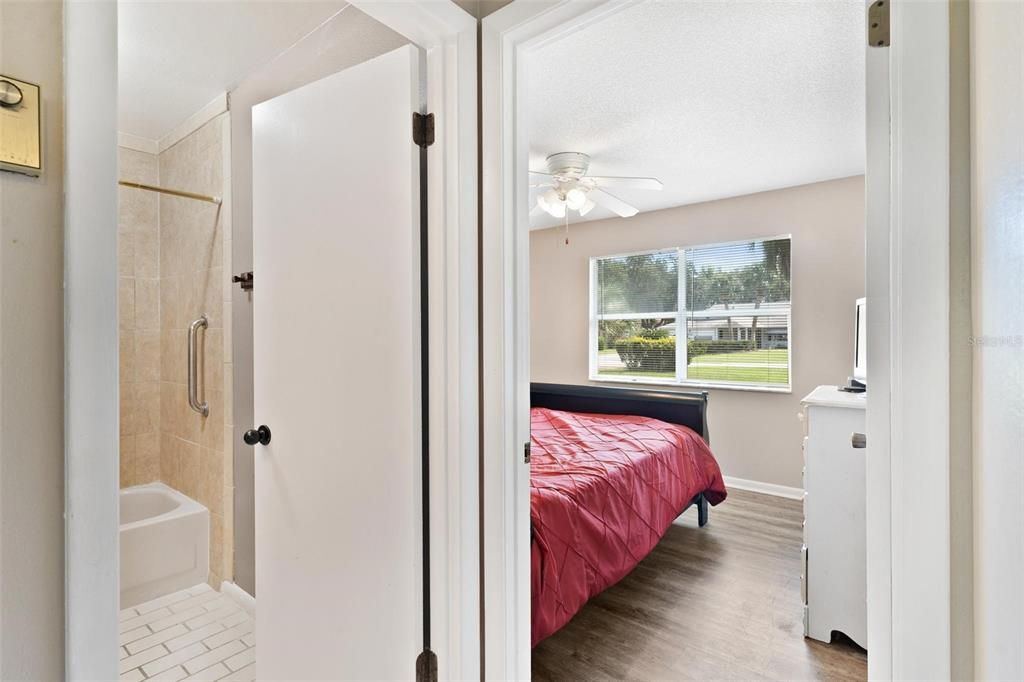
(32, 362)
(755, 435)
(195, 452)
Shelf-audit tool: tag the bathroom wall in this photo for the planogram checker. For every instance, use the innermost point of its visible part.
(32, 385)
(195, 452)
(138, 261)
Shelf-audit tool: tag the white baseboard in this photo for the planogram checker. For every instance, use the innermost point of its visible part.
(240, 596)
(764, 488)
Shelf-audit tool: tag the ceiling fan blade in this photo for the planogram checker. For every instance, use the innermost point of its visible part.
(539, 175)
(542, 184)
(536, 210)
(628, 183)
(614, 204)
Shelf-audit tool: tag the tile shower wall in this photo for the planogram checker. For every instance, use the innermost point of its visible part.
(195, 452)
(139, 319)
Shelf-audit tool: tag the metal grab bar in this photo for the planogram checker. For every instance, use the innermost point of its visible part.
(193, 367)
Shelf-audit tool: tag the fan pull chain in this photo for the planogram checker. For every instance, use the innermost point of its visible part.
(567, 226)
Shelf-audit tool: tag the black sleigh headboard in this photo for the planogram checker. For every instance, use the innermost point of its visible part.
(686, 409)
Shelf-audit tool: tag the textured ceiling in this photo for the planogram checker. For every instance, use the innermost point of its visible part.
(174, 57)
(716, 99)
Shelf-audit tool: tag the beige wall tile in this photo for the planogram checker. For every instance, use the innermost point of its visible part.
(126, 303)
(189, 468)
(147, 355)
(137, 166)
(229, 409)
(128, 409)
(169, 419)
(211, 429)
(126, 356)
(136, 210)
(147, 457)
(170, 304)
(146, 253)
(128, 458)
(191, 422)
(170, 460)
(226, 264)
(205, 297)
(125, 254)
(229, 532)
(193, 281)
(213, 360)
(228, 457)
(217, 544)
(147, 304)
(211, 480)
(147, 408)
(173, 355)
(226, 313)
(139, 307)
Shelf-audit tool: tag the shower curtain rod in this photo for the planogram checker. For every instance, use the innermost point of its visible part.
(173, 192)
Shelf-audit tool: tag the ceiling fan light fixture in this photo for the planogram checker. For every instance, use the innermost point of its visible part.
(576, 198)
(552, 203)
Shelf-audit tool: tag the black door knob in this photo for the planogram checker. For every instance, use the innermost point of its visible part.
(259, 435)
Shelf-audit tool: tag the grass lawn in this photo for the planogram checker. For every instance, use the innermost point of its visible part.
(623, 372)
(779, 356)
(759, 375)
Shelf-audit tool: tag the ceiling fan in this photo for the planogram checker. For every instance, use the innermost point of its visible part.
(569, 188)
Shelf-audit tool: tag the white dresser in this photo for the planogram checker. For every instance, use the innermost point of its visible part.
(834, 582)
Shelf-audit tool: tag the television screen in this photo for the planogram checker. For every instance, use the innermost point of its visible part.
(860, 362)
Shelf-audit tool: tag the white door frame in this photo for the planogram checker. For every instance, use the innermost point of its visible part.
(908, 577)
(449, 37)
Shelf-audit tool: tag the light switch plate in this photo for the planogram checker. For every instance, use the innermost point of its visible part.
(21, 148)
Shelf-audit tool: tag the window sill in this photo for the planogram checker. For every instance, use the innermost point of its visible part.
(687, 385)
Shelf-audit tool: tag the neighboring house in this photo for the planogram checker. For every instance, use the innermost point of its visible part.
(735, 322)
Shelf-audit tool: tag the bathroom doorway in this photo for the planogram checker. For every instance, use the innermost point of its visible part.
(188, 561)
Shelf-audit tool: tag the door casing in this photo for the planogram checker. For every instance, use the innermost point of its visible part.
(449, 36)
(908, 253)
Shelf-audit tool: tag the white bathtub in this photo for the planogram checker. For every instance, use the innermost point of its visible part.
(165, 542)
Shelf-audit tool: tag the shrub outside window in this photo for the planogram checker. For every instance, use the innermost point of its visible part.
(729, 301)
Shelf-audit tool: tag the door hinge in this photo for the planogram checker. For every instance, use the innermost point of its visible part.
(878, 23)
(422, 129)
(526, 453)
(426, 666)
(244, 280)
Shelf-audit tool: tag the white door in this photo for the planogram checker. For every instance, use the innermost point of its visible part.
(336, 375)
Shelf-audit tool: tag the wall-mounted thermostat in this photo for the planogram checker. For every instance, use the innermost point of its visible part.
(21, 148)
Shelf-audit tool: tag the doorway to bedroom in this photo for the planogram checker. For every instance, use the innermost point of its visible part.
(694, 218)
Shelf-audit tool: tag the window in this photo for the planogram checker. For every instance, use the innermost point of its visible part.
(730, 302)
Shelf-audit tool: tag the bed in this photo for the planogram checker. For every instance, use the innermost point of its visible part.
(610, 470)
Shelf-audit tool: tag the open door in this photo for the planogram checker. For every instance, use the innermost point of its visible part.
(336, 219)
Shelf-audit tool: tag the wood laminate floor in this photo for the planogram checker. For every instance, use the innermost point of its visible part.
(715, 603)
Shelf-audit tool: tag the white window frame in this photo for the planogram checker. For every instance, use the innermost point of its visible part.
(680, 317)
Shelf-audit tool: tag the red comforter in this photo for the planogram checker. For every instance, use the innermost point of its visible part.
(603, 491)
